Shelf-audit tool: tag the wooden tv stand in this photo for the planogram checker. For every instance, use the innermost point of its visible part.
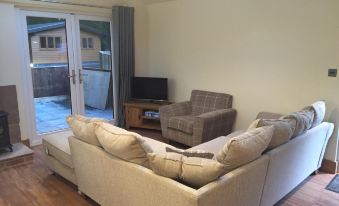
(135, 114)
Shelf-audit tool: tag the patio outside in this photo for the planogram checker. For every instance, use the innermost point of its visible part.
(51, 113)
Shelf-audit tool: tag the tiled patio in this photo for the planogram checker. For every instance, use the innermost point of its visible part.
(51, 113)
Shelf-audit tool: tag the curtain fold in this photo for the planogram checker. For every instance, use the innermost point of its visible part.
(123, 56)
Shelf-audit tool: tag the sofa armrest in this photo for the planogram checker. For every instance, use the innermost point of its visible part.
(213, 124)
(176, 109)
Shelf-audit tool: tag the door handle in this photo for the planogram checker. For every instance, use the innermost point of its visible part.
(81, 75)
(73, 76)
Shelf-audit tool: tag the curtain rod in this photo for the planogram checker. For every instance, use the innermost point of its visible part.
(71, 4)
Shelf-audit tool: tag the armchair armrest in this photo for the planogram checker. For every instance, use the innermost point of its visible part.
(213, 124)
(176, 109)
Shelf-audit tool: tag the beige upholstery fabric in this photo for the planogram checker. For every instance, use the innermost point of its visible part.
(58, 155)
(268, 115)
(197, 172)
(84, 128)
(182, 123)
(193, 171)
(283, 130)
(166, 164)
(126, 145)
(111, 181)
(217, 144)
(56, 145)
(191, 153)
(303, 119)
(245, 147)
(319, 108)
(61, 169)
(293, 162)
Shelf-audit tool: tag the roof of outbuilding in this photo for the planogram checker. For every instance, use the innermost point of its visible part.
(36, 28)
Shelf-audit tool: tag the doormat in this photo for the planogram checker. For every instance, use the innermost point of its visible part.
(334, 184)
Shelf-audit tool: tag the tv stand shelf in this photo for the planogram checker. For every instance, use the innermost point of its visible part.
(135, 114)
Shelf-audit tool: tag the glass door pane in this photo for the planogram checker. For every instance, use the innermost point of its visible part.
(96, 71)
(49, 67)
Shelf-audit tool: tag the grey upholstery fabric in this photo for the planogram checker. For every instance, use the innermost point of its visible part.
(206, 116)
(182, 123)
(124, 63)
(268, 115)
(203, 101)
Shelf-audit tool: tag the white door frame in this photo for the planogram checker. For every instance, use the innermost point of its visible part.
(74, 61)
(78, 62)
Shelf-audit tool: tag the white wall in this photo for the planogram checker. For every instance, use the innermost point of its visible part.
(270, 55)
(10, 56)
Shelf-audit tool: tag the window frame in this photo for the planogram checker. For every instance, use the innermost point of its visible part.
(47, 37)
(86, 39)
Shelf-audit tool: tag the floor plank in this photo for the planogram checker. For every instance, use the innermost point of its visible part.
(33, 184)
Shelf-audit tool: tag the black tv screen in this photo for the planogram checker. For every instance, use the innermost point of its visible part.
(149, 88)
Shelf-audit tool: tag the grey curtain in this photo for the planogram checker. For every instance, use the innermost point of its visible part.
(124, 63)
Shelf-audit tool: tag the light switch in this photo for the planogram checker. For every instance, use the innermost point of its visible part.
(332, 72)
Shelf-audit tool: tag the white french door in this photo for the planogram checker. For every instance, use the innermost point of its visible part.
(67, 69)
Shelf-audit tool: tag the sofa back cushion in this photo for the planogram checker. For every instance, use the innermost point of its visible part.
(303, 118)
(193, 171)
(319, 108)
(84, 128)
(245, 148)
(126, 145)
(283, 130)
(203, 101)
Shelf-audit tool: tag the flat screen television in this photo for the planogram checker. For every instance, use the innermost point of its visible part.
(149, 88)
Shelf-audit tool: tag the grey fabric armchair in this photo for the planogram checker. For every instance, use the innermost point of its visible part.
(206, 116)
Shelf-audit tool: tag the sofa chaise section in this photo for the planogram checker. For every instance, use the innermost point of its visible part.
(58, 155)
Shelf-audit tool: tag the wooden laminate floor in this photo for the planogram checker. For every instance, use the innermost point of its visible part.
(33, 184)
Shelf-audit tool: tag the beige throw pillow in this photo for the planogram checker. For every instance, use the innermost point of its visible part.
(126, 145)
(283, 130)
(191, 153)
(84, 128)
(167, 164)
(319, 108)
(193, 171)
(245, 148)
(303, 119)
(198, 172)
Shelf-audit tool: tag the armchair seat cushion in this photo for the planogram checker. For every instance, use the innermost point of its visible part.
(182, 123)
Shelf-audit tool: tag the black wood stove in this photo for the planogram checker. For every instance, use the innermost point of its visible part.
(4, 131)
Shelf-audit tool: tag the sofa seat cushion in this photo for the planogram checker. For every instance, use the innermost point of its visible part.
(215, 145)
(57, 146)
(182, 123)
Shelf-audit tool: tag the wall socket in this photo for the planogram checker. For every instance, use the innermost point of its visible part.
(332, 72)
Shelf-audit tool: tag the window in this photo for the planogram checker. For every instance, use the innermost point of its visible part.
(43, 42)
(87, 43)
(50, 42)
(58, 42)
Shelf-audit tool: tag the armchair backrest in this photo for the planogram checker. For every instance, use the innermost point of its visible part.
(204, 101)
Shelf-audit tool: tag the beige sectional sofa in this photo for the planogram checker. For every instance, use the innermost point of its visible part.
(112, 181)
